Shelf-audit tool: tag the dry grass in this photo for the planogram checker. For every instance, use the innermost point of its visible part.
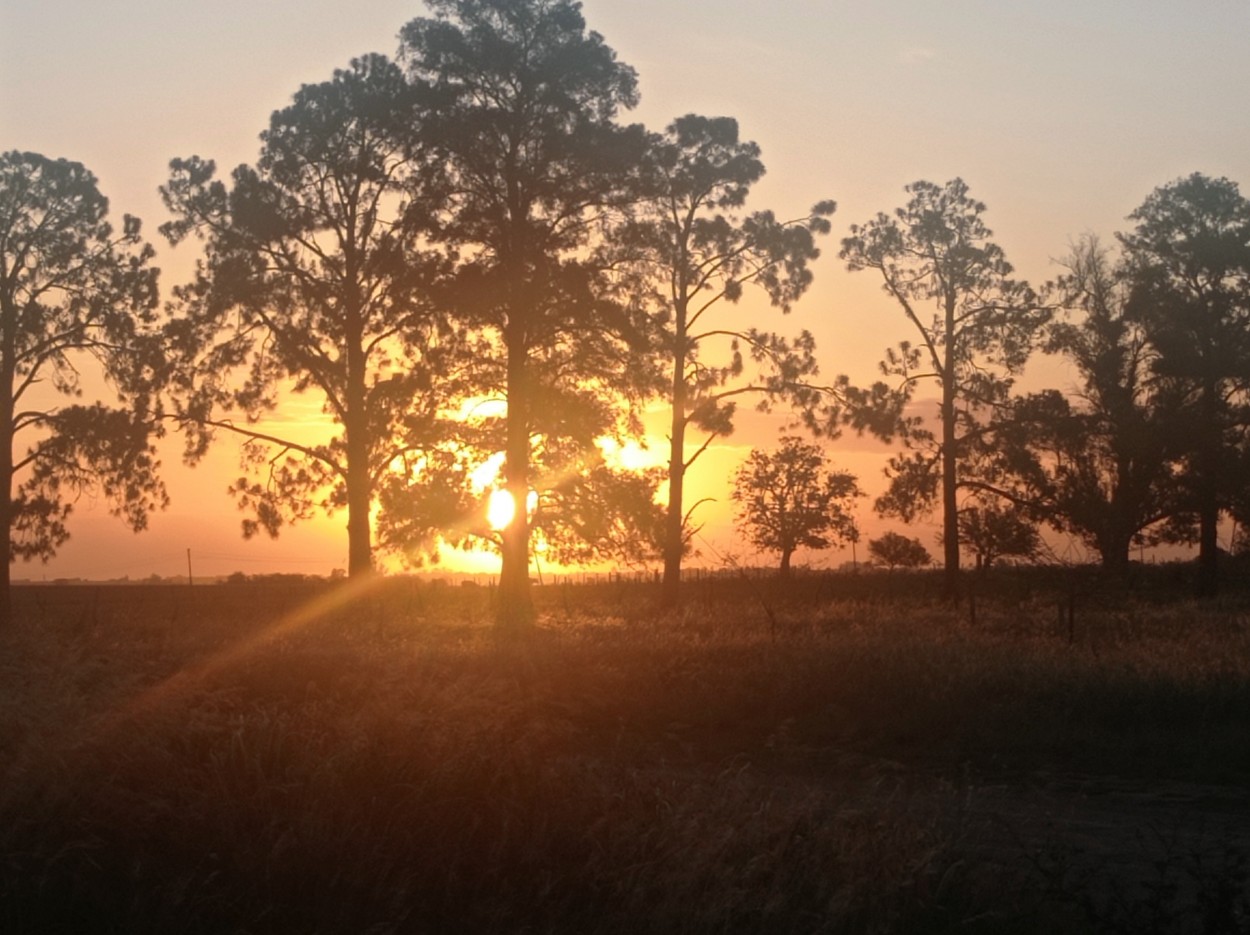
(226, 760)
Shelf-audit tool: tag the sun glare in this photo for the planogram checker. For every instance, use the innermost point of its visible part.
(500, 509)
(632, 456)
(487, 472)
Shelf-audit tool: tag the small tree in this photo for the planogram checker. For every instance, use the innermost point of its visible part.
(993, 532)
(73, 291)
(897, 551)
(599, 513)
(788, 499)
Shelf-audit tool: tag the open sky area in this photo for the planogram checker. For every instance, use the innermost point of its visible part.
(1061, 116)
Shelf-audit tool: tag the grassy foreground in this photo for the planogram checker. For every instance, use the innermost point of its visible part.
(808, 759)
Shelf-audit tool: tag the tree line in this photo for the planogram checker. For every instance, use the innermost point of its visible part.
(464, 251)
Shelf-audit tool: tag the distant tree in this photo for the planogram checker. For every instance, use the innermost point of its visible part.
(315, 282)
(976, 327)
(1099, 465)
(897, 551)
(991, 532)
(600, 513)
(523, 101)
(691, 254)
(789, 499)
(1189, 263)
(75, 296)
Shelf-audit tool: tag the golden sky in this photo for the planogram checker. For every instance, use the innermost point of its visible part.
(1061, 116)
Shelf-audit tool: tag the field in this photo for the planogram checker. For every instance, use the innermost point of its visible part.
(841, 754)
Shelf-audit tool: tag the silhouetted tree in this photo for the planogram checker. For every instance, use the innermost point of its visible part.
(991, 532)
(976, 327)
(1189, 262)
(693, 255)
(600, 513)
(897, 551)
(524, 102)
(315, 281)
(1099, 465)
(73, 292)
(789, 499)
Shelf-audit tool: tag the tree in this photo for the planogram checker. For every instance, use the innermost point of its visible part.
(524, 102)
(788, 499)
(1100, 465)
(692, 255)
(897, 551)
(1189, 267)
(316, 280)
(935, 252)
(73, 292)
(600, 513)
(991, 532)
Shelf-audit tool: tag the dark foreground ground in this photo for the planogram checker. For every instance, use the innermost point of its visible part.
(838, 755)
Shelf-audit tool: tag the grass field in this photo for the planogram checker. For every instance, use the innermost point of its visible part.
(837, 755)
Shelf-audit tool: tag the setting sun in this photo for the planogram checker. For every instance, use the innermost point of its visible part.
(500, 508)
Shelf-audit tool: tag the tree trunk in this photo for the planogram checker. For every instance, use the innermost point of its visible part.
(1115, 557)
(6, 506)
(950, 502)
(784, 571)
(673, 526)
(355, 428)
(1208, 582)
(359, 500)
(515, 612)
(7, 353)
(674, 531)
(1115, 538)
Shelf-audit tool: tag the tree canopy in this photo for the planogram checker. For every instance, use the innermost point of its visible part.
(1099, 464)
(74, 293)
(991, 532)
(976, 326)
(523, 102)
(789, 499)
(317, 279)
(1189, 269)
(688, 254)
(894, 550)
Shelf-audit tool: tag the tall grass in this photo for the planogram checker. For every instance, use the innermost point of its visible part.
(763, 760)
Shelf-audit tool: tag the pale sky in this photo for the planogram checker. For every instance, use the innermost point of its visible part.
(1062, 116)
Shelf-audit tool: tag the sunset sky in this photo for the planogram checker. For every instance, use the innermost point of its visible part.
(1061, 116)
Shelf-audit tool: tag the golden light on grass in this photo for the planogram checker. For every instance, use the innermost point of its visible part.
(189, 680)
